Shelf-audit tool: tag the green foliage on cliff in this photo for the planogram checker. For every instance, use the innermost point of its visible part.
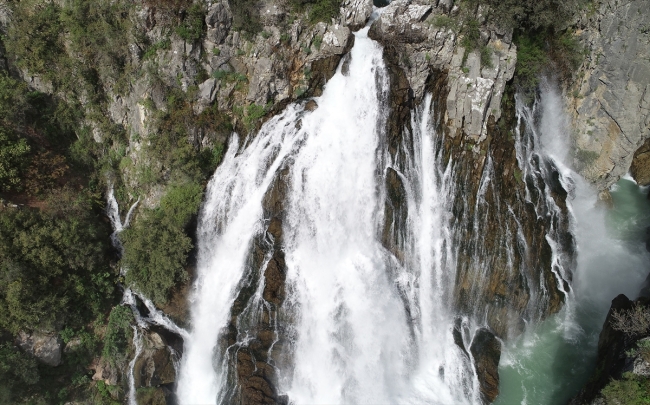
(54, 266)
(193, 23)
(630, 390)
(529, 15)
(157, 244)
(245, 16)
(118, 334)
(34, 37)
(323, 10)
(17, 372)
(12, 160)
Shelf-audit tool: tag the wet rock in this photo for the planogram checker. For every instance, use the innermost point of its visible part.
(605, 199)
(486, 350)
(457, 333)
(395, 214)
(311, 105)
(46, 347)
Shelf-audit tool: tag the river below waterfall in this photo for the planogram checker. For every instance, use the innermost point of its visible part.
(551, 361)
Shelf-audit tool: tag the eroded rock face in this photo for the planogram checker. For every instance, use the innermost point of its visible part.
(105, 371)
(611, 99)
(154, 367)
(46, 347)
(486, 351)
(640, 168)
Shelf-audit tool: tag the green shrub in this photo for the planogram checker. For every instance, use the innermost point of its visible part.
(18, 371)
(192, 26)
(54, 265)
(631, 390)
(445, 22)
(246, 16)
(180, 203)
(157, 246)
(34, 36)
(324, 10)
(155, 255)
(529, 15)
(118, 334)
(12, 160)
(532, 58)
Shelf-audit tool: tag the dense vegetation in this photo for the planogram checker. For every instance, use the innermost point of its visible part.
(58, 272)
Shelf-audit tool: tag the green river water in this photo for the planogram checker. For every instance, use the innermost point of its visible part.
(552, 360)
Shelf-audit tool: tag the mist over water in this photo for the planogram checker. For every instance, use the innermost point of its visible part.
(553, 360)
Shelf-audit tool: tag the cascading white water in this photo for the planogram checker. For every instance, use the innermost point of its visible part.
(230, 216)
(551, 361)
(367, 327)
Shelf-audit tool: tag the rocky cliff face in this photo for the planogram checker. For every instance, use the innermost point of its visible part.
(610, 100)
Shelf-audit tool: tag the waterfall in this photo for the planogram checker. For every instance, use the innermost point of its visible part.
(358, 322)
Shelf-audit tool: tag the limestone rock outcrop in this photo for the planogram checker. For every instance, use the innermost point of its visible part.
(611, 98)
(408, 28)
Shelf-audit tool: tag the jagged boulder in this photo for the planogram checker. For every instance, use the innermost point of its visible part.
(46, 347)
(401, 21)
(356, 13)
(218, 21)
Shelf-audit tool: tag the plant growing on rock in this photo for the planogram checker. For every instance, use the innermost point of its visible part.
(632, 322)
(157, 245)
